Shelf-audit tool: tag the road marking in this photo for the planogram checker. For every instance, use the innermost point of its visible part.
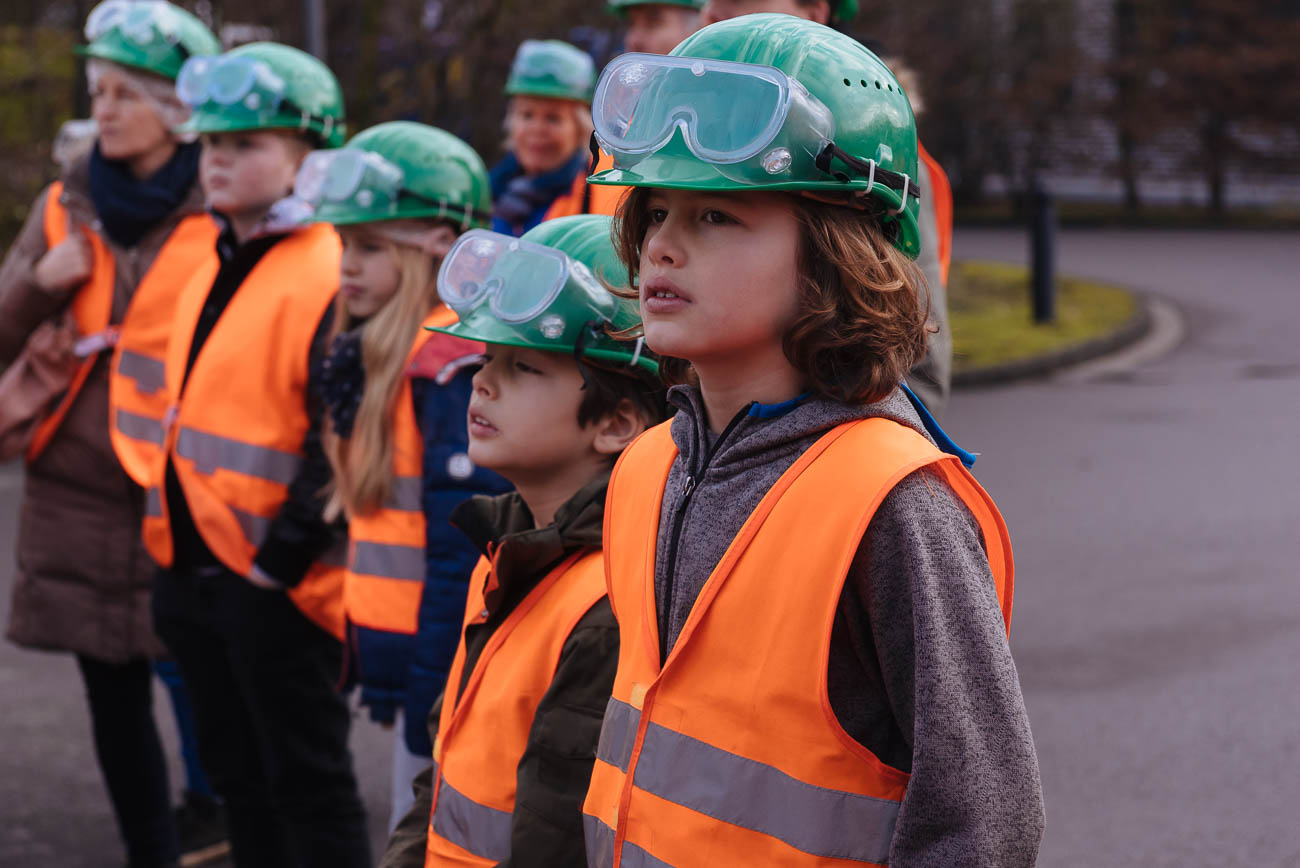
(1167, 332)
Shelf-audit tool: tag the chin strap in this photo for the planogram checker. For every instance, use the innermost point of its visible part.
(590, 331)
(873, 170)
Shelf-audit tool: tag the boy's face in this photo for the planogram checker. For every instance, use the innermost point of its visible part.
(719, 276)
(523, 415)
(368, 272)
(655, 28)
(245, 173)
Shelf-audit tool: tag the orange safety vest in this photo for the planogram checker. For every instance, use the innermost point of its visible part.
(584, 198)
(483, 732)
(386, 557)
(941, 194)
(136, 400)
(235, 434)
(729, 752)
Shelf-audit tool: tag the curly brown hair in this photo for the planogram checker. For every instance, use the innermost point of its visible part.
(861, 323)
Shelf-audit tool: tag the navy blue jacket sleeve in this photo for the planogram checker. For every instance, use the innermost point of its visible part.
(449, 479)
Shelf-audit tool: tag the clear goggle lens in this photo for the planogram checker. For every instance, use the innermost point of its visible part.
(728, 112)
(141, 21)
(351, 175)
(518, 278)
(230, 81)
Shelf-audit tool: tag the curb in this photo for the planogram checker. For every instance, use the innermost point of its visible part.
(1138, 327)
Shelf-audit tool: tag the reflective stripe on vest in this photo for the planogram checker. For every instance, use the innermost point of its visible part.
(236, 433)
(483, 731)
(475, 828)
(386, 552)
(91, 308)
(137, 385)
(723, 756)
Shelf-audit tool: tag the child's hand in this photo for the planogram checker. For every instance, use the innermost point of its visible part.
(67, 264)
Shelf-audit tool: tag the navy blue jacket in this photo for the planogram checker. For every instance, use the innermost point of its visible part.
(409, 672)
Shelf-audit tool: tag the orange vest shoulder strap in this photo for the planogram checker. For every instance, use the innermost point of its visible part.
(941, 195)
(92, 309)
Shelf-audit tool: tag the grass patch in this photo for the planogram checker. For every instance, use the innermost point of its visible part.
(992, 321)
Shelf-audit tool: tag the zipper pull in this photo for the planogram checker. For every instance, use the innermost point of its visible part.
(688, 487)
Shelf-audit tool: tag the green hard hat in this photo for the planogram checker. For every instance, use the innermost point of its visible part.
(620, 7)
(151, 35)
(263, 86)
(844, 11)
(848, 133)
(395, 171)
(544, 291)
(553, 69)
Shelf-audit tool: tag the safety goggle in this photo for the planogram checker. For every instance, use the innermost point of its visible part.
(537, 59)
(520, 280)
(728, 112)
(142, 21)
(352, 176)
(231, 82)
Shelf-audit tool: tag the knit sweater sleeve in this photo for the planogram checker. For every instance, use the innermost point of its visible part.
(922, 608)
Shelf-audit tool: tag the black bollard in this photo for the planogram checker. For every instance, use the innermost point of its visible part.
(1042, 243)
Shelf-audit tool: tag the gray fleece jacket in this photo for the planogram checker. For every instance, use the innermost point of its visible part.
(919, 671)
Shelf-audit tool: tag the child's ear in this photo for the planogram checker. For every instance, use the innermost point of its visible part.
(618, 428)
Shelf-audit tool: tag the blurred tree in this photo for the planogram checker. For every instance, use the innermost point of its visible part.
(1228, 70)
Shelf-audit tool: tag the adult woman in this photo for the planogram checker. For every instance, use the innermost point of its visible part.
(548, 126)
(97, 256)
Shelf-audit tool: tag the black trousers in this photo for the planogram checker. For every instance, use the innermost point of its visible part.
(272, 726)
(131, 757)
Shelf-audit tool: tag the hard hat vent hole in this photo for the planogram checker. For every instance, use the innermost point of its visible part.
(848, 83)
(863, 82)
(877, 85)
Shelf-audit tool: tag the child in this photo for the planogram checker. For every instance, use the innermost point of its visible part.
(555, 403)
(399, 194)
(94, 274)
(248, 597)
(657, 27)
(931, 376)
(812, 599)
(548, 129)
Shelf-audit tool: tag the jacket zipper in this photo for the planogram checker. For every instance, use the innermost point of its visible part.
(679, 520)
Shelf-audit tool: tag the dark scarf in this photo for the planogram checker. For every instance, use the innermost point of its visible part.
(128, 207)
(343, 380)
(520, 201)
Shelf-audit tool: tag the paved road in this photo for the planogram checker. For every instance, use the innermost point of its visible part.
(1157, 623)
(1156, 522)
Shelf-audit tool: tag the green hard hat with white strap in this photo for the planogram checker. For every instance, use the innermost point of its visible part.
(767, 102)
(544, 291)
(620, 7)
(263, 86)
(151, 35)
(552, 69)
(395, 171)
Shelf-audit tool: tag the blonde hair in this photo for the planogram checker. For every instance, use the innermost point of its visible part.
(363, 463)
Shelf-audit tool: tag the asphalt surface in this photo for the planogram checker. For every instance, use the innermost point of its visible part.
(1157, 624)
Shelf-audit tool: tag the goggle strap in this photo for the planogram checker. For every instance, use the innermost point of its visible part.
(875, 172)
